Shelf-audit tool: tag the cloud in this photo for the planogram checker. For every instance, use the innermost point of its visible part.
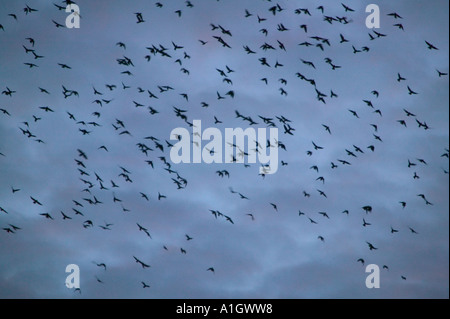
(276, 255)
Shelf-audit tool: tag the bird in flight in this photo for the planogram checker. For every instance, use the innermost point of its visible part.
(430, 46)
(400, 78)
(35, 201)
(411, 92)
(58, 25)
(139, 17)
(9, 230)
(316, 147)
(367, 209)
(371, 247)
(395, 15)
(64, 216)
(8, 92)
(144, 265)
(103, 265)
(143, 229)
(441, 74)
(260, 60)
(47, 215)
(274, 206)
(347, 9)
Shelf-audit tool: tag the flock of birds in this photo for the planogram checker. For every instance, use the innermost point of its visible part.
(96, 188)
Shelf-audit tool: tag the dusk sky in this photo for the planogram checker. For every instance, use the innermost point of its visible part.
(299, 233)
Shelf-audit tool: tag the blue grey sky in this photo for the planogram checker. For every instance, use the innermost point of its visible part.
(275, 254)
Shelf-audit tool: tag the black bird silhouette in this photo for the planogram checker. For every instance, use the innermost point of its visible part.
(141, 263)
(400, 78)
(58, 25)
(31, 65)
(411, 92)
(367, 209)
(402, 122)
(347, 9)
(35, 201)
(8, 92)
(47, 215)
(160, 196)
(322, 193)
(430, 46)
(316, 147)
(275, 54)
(103, 265)
(400, 26)
(379, 35)
(354, 113)
(343, 162)
(324, 214)
(144, 230)
(227, 218)
(139, 17)
(27, 10)
(395, 15)
(65, 216)
(9, 230)
(5, 112)
(441, 73)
